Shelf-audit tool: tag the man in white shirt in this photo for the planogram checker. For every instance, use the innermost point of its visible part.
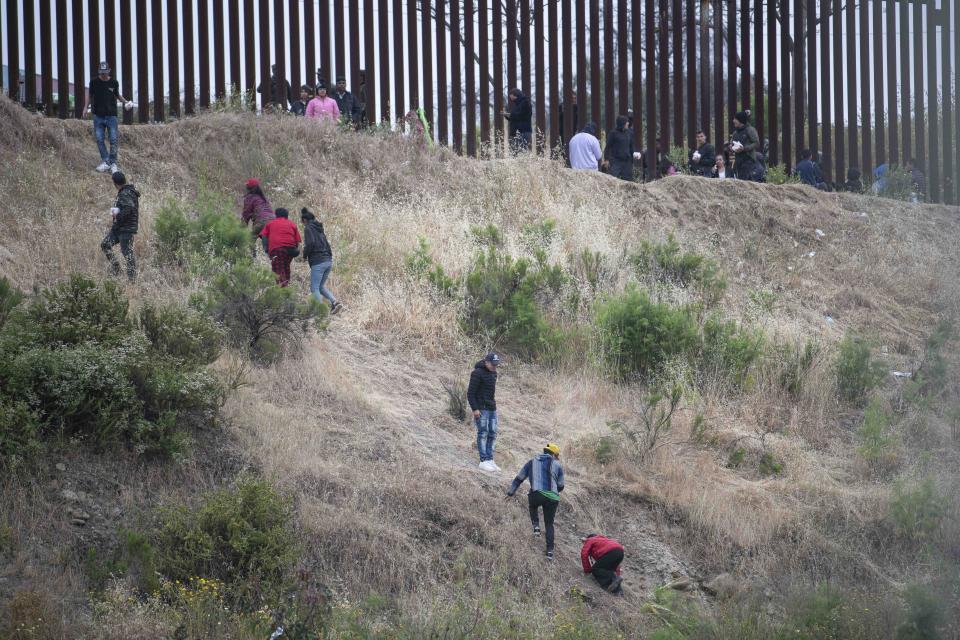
(585, 149)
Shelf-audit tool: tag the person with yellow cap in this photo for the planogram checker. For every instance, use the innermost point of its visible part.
(546, 483)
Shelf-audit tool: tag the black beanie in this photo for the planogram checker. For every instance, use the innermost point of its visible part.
(742, 117)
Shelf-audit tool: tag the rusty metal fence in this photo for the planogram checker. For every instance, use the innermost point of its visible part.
(859, 82)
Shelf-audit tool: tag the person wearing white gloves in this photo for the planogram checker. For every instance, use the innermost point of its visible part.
(104, 95)
(703, 158)
(745, 143)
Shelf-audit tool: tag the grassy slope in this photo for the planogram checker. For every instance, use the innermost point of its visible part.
(356, 428)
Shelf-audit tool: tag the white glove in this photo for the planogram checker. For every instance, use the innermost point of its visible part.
(696, 156)
(737, 146)
(637, 155)
(129, 105)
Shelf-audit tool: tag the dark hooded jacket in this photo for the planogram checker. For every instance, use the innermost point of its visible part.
(482, 390)
(520, 116)
(128, 201)
(316, 249)
(619, 150)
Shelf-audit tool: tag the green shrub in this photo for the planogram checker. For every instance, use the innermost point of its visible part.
(10, 298)
(242, 536)
(878, 444)
(769, 465)
(917, 509)
(79, 365)
(259, 317)
(931, 378)
(730, 348)
(654, 425)
(205, 240)
(925, 615)
(19, 434)
(590, 267)
(796, 362)
(487, 235)
(666, 263)
(777, 174)
(539, 235)
(501, 303)
(897, 184)
(422, 266)
(637, 337)
(857, 373)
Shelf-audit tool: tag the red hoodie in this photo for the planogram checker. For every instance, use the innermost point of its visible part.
(280, 232)
(595, 548)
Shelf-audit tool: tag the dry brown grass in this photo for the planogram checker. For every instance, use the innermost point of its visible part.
(355, 427)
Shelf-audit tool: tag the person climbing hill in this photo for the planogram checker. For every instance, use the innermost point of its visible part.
(283, 240)
(546, 483)
(481, 394)
(125, 224)
(319, 255)
(606, 554)
(256, 210)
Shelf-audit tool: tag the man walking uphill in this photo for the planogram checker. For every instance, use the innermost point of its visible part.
(104, 95)
(546, 483)
(126, 223)
(607, 554)
(481, 394)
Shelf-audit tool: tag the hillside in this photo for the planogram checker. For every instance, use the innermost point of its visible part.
(762, 479)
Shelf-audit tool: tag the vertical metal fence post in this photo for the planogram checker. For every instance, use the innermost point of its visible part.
(442, 104)
(189, 80)
(456, 78)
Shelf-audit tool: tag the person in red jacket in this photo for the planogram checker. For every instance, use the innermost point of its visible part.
(283, 241)
(606, 554)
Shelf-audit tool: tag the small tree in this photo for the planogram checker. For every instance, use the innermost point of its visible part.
(655, 423)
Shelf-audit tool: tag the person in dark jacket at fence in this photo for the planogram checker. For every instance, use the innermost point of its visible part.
(283, 241)
(481, 394)
(618, 152)
(345, 100)
(299, 107)
(917, 179)
(854, 183)
(256, 210)
(546, 483)
(745, 143)
(703, 158)
(519, 117)
(607, 555)
(280, 93)
(125, 224)
(808, 171)
(319, 255)
(360, 110)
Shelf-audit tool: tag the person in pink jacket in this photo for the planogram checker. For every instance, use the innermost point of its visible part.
(323, 107)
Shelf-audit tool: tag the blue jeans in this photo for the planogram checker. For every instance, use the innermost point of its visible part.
(103, 125)
(318, 277)
(486, 433)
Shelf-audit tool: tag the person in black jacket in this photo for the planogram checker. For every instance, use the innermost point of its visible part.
(519, 117)
(319, 255)
(481, 394)
(126, 223)
(703, 158)
(345, 100)
(299, 107)
(618, 152)
(279, 93)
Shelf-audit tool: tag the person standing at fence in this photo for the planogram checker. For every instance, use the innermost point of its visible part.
(319, 255)
(104, 96)
(279, 91)
(585, 149)
(125, 216)
(745, 143)
(808, 171)
(519, 119)
(283, 241)
(360, 114)
(345, 100)
(618, 154)
(323, 107)
(703, 158)
(299, 107)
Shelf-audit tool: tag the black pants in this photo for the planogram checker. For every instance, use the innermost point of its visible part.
(605, 568)
(537, 500)
(125, 240)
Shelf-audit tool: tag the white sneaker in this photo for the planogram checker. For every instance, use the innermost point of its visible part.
(487, 465)
(494, 465)
(102, 167)
(114, 168)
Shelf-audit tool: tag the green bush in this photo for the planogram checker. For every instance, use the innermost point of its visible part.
(502, 305)
(422, 266)
(81, 366)
(539, 235)
(259, 317)
(878, 444)
(637, 337)
(857, 373)
(796, 362)
(917, 509)
(777, 174)
(730, 348)
(19, 434)
(205, 240)
(242, 536)
(10, 298)
(931, 378)
(665, 262)
(925, 615)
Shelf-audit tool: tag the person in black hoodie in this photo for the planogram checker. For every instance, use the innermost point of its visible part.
(319, 255)
(618, 152)
(519, 116)
(481, 394)
(126, 223)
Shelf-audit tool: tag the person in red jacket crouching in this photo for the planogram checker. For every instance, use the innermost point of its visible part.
(283, 242)
(606, 554)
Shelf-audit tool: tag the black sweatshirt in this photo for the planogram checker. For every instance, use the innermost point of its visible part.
(482, 389)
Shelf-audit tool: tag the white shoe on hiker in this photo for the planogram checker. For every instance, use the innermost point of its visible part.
(103, 167)
(493, 465)
(487, 465)
(114, 168)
